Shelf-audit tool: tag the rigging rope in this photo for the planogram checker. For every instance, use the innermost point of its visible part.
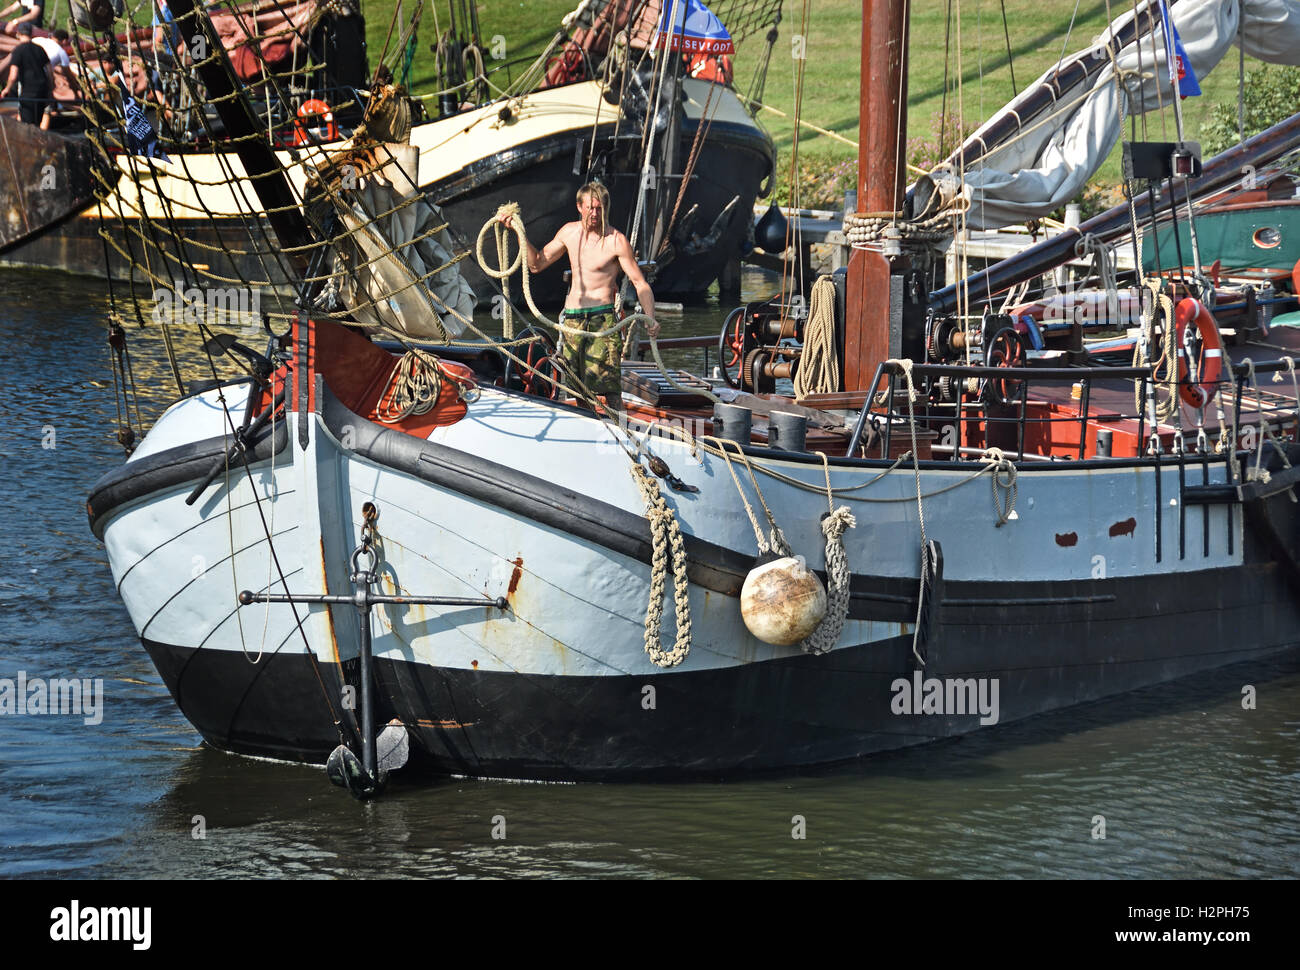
(906, 366)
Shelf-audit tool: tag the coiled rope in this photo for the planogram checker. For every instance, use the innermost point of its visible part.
(666, 536)
(502, 272)
(520, 263)
(1159, 305)
(414, 386)
(819, 367)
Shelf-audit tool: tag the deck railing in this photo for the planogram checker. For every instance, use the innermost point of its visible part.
(1034, 419)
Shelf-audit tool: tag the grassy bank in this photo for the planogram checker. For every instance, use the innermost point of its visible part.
(971, 54)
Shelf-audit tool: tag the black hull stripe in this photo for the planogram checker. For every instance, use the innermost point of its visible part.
(167, 469)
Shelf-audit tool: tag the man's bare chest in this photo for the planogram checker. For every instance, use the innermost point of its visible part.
(593, 255)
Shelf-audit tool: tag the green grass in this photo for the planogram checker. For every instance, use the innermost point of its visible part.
(526, 27)
(1038, 29)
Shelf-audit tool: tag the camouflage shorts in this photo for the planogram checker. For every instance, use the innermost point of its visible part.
(596, 360)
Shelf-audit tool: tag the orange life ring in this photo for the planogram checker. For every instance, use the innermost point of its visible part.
(314, 108)
(1209, 369)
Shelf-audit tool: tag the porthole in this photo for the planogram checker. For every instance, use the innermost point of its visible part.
(1267, 237)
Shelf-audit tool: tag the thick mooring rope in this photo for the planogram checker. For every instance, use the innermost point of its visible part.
(862, 228)
(869, 227)
(838, 574)
(665, 533)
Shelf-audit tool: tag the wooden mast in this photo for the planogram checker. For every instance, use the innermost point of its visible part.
(872, 330)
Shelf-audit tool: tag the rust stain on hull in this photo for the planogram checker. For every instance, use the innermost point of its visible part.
(425, 722)
(515, 576)
(1125, 528)
(329, 613)
(1067, 539)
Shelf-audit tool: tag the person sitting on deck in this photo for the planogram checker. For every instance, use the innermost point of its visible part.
(596, 251)
(34, 14)
(29, 68)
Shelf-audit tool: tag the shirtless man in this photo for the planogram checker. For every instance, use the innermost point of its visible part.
(596, 253)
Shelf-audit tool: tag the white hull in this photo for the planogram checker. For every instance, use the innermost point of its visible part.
(535, 503)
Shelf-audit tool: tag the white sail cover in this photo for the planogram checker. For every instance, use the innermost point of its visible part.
(1050, 162)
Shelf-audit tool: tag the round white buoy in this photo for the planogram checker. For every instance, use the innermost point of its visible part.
(782, 601)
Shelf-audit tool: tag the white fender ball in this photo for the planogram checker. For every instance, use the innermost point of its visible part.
(782, 601)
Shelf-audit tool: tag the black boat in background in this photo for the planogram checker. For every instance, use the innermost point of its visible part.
(534, 146)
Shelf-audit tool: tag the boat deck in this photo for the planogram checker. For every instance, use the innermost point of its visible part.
(1063, 413)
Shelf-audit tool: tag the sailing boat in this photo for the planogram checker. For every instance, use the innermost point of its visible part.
(395, 553)
(534, 143)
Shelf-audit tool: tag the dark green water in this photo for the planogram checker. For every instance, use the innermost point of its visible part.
(1190, 785)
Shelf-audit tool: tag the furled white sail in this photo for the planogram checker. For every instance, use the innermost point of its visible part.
(1054, 154)
(404, 276)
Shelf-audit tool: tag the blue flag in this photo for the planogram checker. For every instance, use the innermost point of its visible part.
(695, 29)
(1180, 66)
(141, 139)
